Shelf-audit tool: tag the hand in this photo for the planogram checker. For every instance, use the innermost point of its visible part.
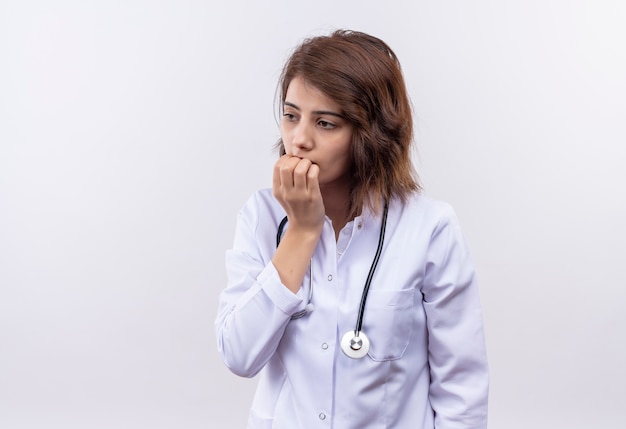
(296, 187)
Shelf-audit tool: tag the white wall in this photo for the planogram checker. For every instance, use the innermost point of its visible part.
(131, 132)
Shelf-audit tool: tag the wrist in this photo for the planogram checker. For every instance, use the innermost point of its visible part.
(304, 234)
(305, 231)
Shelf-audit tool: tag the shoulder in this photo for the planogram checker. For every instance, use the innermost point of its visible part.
(258, 221)
(261, 208)
(424, 209)
(262, 199)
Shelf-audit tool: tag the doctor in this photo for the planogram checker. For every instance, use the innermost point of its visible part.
(350, 292)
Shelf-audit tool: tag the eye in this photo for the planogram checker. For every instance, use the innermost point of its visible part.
(326, 125)
(289, 117)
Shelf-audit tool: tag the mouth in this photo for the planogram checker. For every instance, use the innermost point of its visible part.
(303, 157)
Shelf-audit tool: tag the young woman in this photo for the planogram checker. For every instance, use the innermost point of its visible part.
(353, 294)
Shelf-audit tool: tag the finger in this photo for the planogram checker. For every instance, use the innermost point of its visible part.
(276, 179)
(313, 177)
(276, 176)
(286, 171)
(300, 174)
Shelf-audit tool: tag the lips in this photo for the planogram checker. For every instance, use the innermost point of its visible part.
(303, 157)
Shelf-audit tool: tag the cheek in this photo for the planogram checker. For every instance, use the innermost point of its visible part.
(286, 145)
(345, 151)
(284, 136)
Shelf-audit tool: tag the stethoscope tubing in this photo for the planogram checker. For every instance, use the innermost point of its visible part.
(307, 309)
(280, 230)
(368, 281)
(370, 275)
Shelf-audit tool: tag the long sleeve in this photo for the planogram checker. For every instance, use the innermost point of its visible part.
(426, 367)
(456, 344)
(255, 307)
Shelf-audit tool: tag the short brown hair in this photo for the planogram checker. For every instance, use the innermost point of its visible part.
(363, 75)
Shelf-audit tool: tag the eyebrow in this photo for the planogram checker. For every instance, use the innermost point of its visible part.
(317, 112)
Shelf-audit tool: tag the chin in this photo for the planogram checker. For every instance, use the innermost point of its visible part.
(333, 181)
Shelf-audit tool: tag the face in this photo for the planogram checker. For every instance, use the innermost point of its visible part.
(313, 127)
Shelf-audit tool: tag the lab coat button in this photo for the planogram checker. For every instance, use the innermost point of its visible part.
(330, 277)
(360, 225)
(324, 346)
(322, 416)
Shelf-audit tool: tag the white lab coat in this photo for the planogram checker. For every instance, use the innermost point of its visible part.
(427, 365)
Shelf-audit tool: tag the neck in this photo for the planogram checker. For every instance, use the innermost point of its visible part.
(337, 204)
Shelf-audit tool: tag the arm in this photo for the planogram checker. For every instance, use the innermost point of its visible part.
(296, 187)
(255, 307)
(457, 355)
(261, 296)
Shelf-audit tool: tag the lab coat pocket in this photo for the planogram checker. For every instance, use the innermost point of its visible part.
(388, 323)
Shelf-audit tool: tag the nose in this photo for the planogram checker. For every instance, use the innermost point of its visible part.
(302, 138)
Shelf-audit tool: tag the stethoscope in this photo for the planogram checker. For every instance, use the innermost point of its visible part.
(355, 343)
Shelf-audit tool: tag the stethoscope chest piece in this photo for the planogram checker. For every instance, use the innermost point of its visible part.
(355, 344)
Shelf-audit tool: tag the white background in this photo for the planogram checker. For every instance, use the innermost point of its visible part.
(132, 131)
